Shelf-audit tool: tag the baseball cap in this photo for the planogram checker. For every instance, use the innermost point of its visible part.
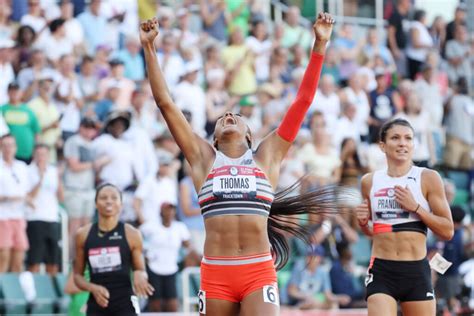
(247, 100)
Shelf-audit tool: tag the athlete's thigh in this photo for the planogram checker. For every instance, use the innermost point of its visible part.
(419, 308)
(260, 302)
(381, 304)
(215, 307)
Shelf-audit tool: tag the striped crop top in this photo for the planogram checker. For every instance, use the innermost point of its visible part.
(387, 214)
(235, 186)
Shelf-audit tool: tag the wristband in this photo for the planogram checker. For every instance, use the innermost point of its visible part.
(416, 209)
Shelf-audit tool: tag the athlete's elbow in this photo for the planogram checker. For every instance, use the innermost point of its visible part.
(447, 233)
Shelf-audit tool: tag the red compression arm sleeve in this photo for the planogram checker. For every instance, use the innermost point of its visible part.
(296, 113)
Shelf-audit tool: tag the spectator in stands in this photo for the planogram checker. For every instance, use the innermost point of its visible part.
(212, 59)
(6, 28)
(215, 18)
(162, 243)
(79, 176)
(374, 48)
(186, 38)
(429, 93)
(351, 166)
(280, 71)
(144, 114)
(384, 103)
(34, 18)
(127, 86)
(355, 94)
(170, 60)
(293, 32)
(22, 123)
(310, 286)
(101, 61)
(48, 115)
(6, 69)
(319, 157)
(346, 126)
(190, 96)
(438, 33)
(88, 83)
(217, 99)
(459, 19)
(43, 228)
(25, 40)
(189, 211)
(343, 279)
(117, 152)
(28, 78)
(448, 285)
(327, 101)
(73, 28)
(133, 61)
(460, 129)
(331, 64)
(239, 64)
(240, 12)
(251, 112)
(348, 50)
(68, 96)
(457, 54)
(56, 38)
(13, 195)
(397, 35)
(110, 101)
(419, 43)
(94, 26)
(424, 153)
(261, 47)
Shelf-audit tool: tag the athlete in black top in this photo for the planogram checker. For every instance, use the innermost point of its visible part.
(111, 250)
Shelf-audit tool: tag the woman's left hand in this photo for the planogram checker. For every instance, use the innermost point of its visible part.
(405, 198)
(141, 285)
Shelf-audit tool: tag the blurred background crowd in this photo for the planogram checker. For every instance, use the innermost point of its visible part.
(76, 110)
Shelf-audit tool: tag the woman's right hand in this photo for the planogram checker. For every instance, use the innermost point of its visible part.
(101, 295)
(363, 213)
(148, 31)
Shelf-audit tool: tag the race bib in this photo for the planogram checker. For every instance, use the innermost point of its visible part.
(270, 295)
(202, 302)
(234, 182)
(105, 259)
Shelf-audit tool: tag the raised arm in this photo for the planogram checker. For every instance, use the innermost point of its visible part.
(196, 150)
(274, 147)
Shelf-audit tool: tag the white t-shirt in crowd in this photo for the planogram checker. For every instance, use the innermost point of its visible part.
(62, 46)
(46, 201)
(146, 162)
(71, 114)
(345, 128)
(172, 68)
(162, 245)
(153, 192)
(13, 183)
(38, 23)
(361, 102)
(7, 76)
(262, 51)
(119, 171)
(191, 97)
(329, 105)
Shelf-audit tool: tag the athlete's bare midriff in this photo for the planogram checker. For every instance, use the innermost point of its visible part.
(236, 235)
(402, 246)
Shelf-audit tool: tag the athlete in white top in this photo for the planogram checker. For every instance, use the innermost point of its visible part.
(401, 201)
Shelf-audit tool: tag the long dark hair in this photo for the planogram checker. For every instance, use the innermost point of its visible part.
(286, 207)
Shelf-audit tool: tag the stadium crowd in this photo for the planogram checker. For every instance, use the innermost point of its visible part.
(76, 111)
